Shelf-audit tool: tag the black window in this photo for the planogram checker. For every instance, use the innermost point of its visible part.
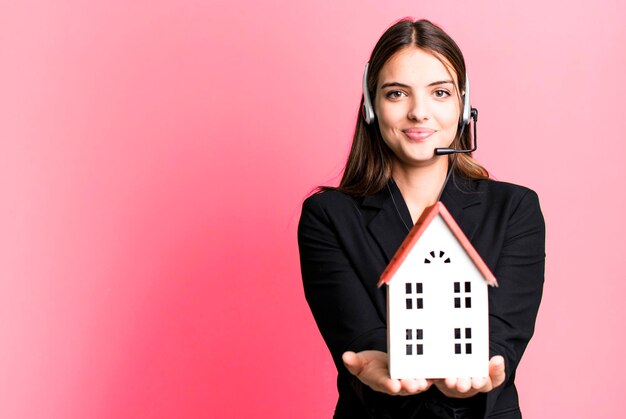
(460, 340)
(459, 294)
(414, 339)
(419, 302)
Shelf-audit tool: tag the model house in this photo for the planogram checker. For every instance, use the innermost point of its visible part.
(437, 303)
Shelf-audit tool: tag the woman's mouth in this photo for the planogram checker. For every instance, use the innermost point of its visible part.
(418, 134)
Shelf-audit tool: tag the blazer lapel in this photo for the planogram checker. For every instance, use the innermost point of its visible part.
(459, 197)
(386, 226)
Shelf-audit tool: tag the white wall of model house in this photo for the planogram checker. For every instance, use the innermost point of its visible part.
(437, 310)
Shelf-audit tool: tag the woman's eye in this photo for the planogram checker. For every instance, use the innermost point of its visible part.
(440, 93)
(394, 94)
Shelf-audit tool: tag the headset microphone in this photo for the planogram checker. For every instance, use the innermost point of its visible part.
(444, 151)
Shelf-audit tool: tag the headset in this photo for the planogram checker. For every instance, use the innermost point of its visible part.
(468, 113)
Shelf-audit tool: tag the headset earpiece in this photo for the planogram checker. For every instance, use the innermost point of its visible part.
(467, 108)
(368, 108)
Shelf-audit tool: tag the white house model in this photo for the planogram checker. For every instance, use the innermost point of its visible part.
(437, 303)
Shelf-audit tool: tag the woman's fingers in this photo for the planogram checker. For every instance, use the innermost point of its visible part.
(372, 368)
(463, 385)
(496, 371)
(413, 386)
(409, 385)
(450, 382)
(479, 383)
(391, 386)
(352, 362)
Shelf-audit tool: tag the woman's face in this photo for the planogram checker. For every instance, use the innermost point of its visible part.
(417, 105)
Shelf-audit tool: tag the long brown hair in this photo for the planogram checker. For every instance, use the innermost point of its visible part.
(368, 168)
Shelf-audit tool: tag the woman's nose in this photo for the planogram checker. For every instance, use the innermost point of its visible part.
(418, 110)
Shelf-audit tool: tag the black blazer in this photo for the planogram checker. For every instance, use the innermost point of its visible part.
(346, 243)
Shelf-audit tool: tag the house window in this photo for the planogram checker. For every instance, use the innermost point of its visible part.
(413, 293)
(462, 298)
(414, 341)
(461, 342)
(434, 255)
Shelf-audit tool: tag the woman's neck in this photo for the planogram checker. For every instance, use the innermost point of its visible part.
(420, 186)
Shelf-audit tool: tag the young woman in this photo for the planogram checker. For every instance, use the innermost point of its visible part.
(416, 102)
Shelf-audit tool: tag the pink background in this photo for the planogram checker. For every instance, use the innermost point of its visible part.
(154, 156)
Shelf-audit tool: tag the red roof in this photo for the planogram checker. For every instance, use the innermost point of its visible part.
(416, 233)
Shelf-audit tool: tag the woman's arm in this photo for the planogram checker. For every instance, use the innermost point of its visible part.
(513, 306)
(342, 307)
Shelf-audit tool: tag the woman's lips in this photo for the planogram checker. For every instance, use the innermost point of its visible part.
(418, 134)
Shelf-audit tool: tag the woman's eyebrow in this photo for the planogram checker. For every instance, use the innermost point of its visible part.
(436, 83)
(406, 86)
(395, 84)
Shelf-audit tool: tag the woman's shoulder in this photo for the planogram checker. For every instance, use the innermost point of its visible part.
(508, 198)
(329, 199)
(501, 190)
(330, 208)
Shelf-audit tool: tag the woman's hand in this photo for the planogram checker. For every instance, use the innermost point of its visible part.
(468, 387)
(372, 368)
